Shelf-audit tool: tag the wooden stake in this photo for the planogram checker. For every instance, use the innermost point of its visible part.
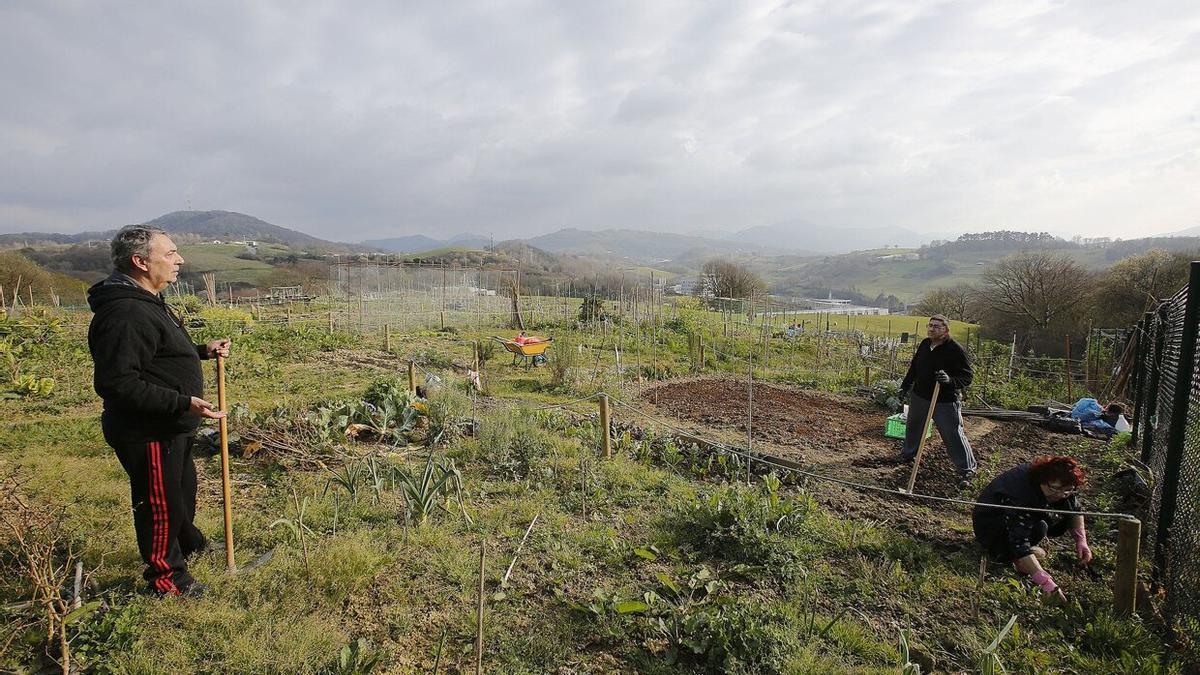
(77, 598)
(387, 337)
(227, 497)
(1129, 535)
(1067, 369)
(983, 565)
(912, 479)
(331, 323)
(504, 579)
(412, 376)
(479, 617)
(605, 421)
(867, 377)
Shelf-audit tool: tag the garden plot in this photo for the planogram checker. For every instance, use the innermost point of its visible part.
(842, 436)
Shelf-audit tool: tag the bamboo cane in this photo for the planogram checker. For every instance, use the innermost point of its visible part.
(225, 492)
(479, 617)
(912, 478)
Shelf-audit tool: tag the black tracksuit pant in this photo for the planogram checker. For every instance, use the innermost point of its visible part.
(162, 481)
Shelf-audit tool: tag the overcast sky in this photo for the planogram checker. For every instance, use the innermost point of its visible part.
(355, 120)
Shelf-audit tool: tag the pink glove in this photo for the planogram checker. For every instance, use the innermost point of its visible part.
(1081, 546)
(1044, 582)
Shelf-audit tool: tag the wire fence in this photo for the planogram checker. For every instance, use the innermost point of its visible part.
(1166, 430)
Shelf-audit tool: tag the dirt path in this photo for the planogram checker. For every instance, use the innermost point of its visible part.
(842, 436)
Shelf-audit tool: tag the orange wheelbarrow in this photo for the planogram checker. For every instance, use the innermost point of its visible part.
(529, 354)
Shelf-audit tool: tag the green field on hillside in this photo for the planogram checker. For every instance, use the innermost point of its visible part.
(223, 261)
(865, 272)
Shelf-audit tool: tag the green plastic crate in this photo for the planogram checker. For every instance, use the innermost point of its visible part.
(896, 427)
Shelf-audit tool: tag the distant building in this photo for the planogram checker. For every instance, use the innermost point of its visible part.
(687, 286)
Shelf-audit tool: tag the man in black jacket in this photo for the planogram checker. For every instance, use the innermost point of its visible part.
(147, 370)
(939, 359)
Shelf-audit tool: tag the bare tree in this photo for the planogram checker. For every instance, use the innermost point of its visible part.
(727, 279)
(1040, 295)
(957, 302)
(1134, 284)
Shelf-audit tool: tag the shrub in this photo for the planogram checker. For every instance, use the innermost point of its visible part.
(744, 525)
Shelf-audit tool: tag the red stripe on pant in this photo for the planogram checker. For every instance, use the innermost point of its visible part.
(161, 522)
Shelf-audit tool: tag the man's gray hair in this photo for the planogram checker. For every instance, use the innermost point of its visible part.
(132, 240)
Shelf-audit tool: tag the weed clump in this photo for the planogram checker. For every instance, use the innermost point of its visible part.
(513, 447)
(739, 524)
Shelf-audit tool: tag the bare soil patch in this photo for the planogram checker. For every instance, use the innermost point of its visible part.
(842, 436)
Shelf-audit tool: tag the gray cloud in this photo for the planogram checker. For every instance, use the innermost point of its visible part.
(375, 119)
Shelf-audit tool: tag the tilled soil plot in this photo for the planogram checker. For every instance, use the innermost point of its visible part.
(842, 436)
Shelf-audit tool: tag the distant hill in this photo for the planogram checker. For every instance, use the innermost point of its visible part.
(639, 246)
(805, 236)
(908, 273)
(419, 243)
(415, 243)
(207, 225)
(226, 225)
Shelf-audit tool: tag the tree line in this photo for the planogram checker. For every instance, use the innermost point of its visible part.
(1044, 296)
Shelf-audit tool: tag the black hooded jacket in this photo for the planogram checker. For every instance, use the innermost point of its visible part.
(147, 367)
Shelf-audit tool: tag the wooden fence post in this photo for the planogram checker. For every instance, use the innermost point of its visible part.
(605, 422)
(867, 377)
(331, 323)
(1067, 370)
(412, 376)
(387, 337)
(1129, 536)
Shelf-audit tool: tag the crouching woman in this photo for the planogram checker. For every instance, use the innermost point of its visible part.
(1013, 536)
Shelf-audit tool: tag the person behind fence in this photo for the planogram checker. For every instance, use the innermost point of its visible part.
(1092, 417)
(147, 371)
(939, 358)
(1012, 536)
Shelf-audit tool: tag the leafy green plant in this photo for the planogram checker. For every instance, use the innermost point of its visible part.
(905, 662)
(426, 492)
(29, 386)
(104, 631)
(989, 661)
(563, 360)
(357, 658)
(349, 477)
(676, 612)
(810, 596)
(297, 527)
(742, 524)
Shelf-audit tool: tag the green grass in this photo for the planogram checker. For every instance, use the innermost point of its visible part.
(222, 260)
(818, 592)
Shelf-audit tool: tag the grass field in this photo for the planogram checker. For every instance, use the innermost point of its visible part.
(222, 259)
(660, 559)
(908, 280)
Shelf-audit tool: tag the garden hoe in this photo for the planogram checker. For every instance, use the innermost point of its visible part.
(225, 494)
(912, 479)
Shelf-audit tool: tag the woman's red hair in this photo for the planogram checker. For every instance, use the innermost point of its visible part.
(1063, 470)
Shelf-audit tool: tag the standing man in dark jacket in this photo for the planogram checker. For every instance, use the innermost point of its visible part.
(939, 359)
(147, 370)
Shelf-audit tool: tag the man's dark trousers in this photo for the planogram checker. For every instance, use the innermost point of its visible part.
(947, 417)
(162, 480)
